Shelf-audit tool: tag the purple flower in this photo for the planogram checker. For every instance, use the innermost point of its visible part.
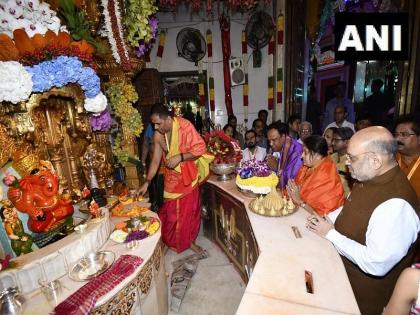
(101, 122)
(153, 23)
(142, 49)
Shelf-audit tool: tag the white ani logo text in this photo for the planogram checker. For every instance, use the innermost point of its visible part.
(351, 38)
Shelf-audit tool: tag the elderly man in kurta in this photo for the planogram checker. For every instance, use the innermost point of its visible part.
(376, 230)
(186, 163)
(407, 134)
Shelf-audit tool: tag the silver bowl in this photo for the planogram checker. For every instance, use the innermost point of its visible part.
(91, 265)
(223, 170)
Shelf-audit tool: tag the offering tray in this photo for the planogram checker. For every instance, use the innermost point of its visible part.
(272, 205)
(91, 265)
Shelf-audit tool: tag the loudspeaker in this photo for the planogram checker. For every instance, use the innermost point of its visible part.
(237, 73)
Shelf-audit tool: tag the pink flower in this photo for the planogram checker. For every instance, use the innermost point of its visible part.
(9, 179)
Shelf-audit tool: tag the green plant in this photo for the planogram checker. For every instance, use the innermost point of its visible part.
(77, 24)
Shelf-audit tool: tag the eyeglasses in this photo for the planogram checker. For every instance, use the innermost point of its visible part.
(353, 158)
(403, 134)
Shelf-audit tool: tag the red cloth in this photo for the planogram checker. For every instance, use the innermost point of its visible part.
(181, 220)
(321, 187)
(84, 299)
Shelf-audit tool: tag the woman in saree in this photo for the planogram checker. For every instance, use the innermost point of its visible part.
(317, 186)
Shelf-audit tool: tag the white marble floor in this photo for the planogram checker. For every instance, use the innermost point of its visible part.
(215, 289)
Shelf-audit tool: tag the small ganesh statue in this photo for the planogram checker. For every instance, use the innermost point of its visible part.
(37, 195)
(20, 241)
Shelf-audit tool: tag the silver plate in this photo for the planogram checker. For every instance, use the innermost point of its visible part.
(91, 265)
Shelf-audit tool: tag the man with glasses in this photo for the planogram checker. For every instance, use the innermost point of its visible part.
(305, 130)
(376, 230)
(407, 134)
(285, 152)
(340, 141)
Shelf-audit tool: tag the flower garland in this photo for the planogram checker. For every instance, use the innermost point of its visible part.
(122, 96)
(144, 47)
(15, 82)
(114, 33)
(238, 5)
(31, 15)
(141, 27)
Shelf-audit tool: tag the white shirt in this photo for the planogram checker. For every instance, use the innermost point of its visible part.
(392, 228)
(259, 154)
(344, 124)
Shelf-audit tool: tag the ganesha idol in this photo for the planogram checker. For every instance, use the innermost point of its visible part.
(37, 195)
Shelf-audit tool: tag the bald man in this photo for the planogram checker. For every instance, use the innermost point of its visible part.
(377, 227)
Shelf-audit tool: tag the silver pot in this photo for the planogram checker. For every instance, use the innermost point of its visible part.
(223, 170)
(11, 302)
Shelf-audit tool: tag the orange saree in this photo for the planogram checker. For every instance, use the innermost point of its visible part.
(321, 187)
(180, 213)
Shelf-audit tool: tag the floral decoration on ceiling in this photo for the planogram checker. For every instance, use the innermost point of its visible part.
(32, 15)
(197, 5)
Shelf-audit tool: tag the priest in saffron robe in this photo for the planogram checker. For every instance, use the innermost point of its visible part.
(317, 186)
(186, 161)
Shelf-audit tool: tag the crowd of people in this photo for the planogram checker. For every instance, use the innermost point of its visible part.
(359, 182)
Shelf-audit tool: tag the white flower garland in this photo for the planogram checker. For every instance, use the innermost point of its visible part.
(31, 15)
(15, 82)
(109, 30)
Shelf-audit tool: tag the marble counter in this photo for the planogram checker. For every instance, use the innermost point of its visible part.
(277, 283)
(143, 292)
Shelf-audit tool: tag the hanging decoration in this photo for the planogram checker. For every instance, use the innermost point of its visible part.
(144, 47)
(159, 54)
(140, 23)
(225, 33)
(270, 65)
(245, 87)
(280, 25)
(196, 5)
(201, 81)
(113, 30)
(210, 73)
(122, 96)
